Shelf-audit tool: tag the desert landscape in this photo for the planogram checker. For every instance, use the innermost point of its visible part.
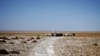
(44, 44)
(49, 27)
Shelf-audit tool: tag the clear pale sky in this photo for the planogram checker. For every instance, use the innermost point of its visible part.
(60, 15)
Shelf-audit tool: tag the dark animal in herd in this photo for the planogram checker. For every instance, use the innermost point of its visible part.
(61, 34)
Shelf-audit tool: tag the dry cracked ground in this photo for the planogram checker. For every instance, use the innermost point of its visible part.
(51, 46)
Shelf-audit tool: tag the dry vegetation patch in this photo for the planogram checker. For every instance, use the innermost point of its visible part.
(18, 45)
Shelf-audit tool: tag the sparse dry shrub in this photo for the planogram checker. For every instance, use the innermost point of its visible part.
(21, 38)
(3, 41)
(23, 42)
(38, 37)
(73, 34)
(34, 41)
(95, 44)
(15, 38)
(11, 43)
(3, 51)
(14, 52)
(5, 38)
(30, 39)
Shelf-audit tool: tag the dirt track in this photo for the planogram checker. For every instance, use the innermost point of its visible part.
(45, 48)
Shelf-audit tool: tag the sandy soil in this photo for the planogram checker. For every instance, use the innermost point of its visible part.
(82, 44)
(45, 48)
(55, 46)
(21, 46)
(77, 46)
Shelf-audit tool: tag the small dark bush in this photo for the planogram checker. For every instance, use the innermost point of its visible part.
(24, 42)
(38, 37)
(3, 41)
(11, 43)
(73, 34)
(14, 52)
(48, 35)
(21, 38)
(34, 41)
(32, 38)
(5, 38)
(15, 38)
(3, 51)
(28, 40)
(95, 44)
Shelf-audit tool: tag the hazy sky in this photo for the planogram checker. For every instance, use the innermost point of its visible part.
(62, 15)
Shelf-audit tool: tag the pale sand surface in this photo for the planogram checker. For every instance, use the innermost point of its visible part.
(45, 48)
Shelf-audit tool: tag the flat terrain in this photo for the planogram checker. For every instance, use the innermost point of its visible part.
(77, 46)
(39, 44)
(43, 33)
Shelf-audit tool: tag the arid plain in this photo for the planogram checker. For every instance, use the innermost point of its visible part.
(41, 43)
